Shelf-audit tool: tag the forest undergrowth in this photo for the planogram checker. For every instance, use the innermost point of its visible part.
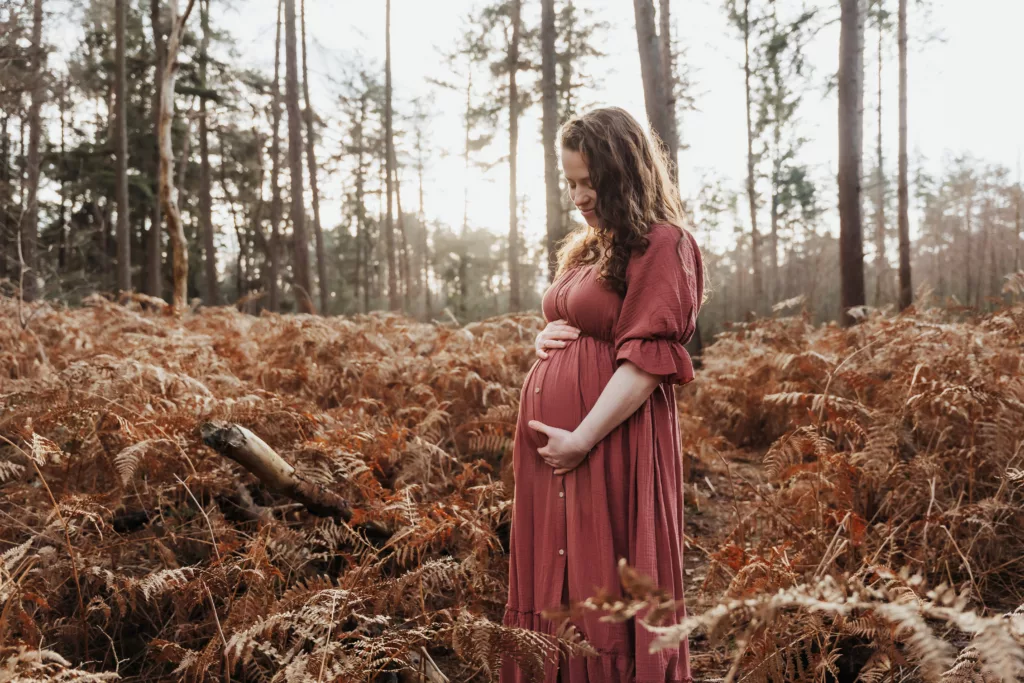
(853, 498)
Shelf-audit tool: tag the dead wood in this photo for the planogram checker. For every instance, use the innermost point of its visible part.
(251, 452)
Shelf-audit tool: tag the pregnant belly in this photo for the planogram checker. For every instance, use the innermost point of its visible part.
(559, 391)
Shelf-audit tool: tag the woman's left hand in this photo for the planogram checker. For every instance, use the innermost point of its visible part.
(564, 450)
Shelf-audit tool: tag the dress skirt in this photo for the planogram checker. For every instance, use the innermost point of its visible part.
(625, 500)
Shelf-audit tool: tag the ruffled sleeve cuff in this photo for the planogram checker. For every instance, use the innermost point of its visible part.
(663, 357)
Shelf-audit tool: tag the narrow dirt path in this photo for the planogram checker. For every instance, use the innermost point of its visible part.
(718, 495)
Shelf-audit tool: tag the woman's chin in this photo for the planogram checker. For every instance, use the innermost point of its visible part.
(592, 220)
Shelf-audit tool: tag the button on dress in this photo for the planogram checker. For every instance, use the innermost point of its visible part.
(626, 498)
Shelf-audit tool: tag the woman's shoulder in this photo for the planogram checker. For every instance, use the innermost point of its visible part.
(661, 232)
(667, 235)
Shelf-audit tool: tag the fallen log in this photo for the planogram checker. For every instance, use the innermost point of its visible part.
(251, 452)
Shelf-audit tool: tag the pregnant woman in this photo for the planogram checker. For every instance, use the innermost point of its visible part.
(597, 464)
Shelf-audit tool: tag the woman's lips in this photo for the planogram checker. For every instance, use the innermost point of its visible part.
(587, 212)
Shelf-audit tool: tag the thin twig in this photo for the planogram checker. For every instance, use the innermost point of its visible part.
(928, 515)
(223, 640)
(828, 550)
(202, 511)
(831, 375)
(967, 566)
(327, 643)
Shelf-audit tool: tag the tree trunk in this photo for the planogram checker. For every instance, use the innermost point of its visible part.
(300, 241)
(6, 194)
(321, 256)
(986, 219)
(362, 250)
(1017, 221)
(380, 257)
(276, 208)
(403, 251)
(514, 303)
(565, 85)
(466, 150)
(651, 67)
(755, 236)
(256, 218)
(257, 225)
(168, 196)
(549, 131)
(62, 242)
(424, 236)
(566, 111)
(205, 203)
(186, 154)
(851, 126)
(741, 293)
(968, 261)
(670, 135)
(152, 281)
(30, 222)
(124, 245)
(995, 259)
(240, 236)
(774, 287)
(23, 149)
(109, 233)
(906, 293)
(881, 263)
(463, 254)
(394, 299)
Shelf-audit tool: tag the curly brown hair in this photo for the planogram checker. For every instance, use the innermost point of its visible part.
(629, 172)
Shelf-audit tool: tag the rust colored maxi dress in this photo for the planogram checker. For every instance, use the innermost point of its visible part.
(626, 498)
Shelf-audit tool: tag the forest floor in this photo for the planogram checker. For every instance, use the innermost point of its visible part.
(854, 498)
(720, 493)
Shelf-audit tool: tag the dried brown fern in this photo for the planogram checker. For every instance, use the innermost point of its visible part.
(892, 444)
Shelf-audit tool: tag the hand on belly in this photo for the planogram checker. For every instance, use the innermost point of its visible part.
(564, 450)
(553, 408)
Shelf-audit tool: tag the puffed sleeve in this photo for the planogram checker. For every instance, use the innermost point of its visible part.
(664, 287)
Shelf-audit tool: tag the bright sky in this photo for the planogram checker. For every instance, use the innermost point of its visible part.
(965, 92)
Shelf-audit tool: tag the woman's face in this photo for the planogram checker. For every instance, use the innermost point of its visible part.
(581, 191)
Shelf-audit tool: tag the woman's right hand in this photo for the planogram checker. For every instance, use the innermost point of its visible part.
(555, 335)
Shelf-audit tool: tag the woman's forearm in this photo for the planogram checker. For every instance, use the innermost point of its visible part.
(626, 391)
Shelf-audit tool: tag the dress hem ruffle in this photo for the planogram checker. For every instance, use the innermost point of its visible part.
(534, 621)
(539, 619)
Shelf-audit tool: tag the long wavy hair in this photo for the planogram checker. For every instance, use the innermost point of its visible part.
(630, 175)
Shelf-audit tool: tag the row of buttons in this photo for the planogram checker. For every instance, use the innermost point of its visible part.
(561, 494)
